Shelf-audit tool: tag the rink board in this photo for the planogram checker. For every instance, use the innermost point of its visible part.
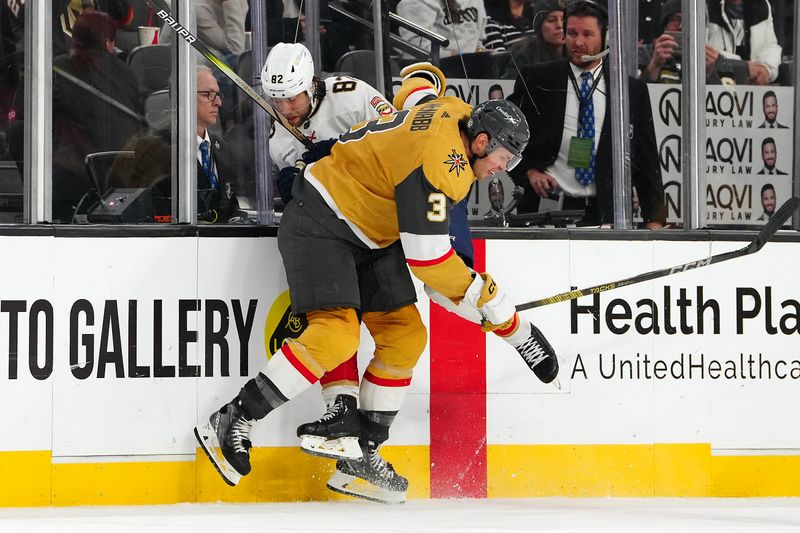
(113, 349)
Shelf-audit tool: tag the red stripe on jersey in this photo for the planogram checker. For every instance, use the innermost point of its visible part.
(510, 329)
(423, 88)
(430, 262)
(300, 367)
(458, 393)
(386, 382)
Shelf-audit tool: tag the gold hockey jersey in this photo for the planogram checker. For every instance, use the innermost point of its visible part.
(397, 173)
(396, 177)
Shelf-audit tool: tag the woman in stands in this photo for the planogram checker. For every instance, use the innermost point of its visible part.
(548, 42)
(95, 107)
(507, 22)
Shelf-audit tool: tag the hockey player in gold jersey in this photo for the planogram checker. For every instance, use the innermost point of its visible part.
(380, 202)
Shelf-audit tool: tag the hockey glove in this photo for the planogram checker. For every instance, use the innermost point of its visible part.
(491, 302)
(318, 151)
(285, 181)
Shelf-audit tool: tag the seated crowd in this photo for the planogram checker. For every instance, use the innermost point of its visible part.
(104, 100)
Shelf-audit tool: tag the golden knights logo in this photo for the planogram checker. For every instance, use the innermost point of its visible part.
(456, 161)
(282, 324)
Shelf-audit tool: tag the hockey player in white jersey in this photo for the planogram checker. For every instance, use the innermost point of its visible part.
(321, 109)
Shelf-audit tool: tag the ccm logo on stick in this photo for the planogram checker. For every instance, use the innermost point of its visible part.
(689, 266)
(177, 27)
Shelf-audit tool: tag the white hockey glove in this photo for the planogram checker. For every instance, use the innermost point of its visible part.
(490, 301)
(464, 310)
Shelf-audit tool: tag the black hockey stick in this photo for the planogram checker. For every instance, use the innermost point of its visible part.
(780, 217)
(162, 11)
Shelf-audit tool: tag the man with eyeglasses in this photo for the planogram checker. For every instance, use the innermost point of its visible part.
(216, 197)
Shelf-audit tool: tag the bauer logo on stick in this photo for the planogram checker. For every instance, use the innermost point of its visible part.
(172, 23)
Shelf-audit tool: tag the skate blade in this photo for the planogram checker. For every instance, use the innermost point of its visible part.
(360, 488)
(207, 438)
(341, 448)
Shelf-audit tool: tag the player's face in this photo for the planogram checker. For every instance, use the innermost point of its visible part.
(768, 201)
(771, 108)
(499, 160)
(553, 28)
(294, 109)
(583, 38)
(769, 154)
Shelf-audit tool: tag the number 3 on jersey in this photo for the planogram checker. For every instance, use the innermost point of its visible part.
(376, 125)
(438, 212)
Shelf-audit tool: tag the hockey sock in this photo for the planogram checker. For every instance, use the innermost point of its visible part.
(283, 378)
(341, 380)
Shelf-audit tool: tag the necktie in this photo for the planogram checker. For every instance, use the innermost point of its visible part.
(772, 126)
(208, 167)
(585, 176)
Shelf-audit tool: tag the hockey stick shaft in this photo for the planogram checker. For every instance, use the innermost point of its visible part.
(780, 217)
(163, 12)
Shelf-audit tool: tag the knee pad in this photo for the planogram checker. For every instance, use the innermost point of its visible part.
(332, 336)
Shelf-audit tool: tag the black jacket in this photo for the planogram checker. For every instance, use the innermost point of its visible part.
(548, 83)
(223, 202)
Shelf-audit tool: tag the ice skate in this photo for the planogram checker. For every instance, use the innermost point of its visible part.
(539, 355)
(370, 478)
(226, 440)
(335, 435)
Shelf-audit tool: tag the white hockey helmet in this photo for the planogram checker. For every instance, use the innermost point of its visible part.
(288, 71)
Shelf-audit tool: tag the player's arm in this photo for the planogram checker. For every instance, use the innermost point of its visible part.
(423, 219)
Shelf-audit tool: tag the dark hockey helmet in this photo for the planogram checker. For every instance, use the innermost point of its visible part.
(504, 123)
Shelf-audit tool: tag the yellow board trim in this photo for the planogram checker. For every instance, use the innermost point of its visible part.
(29, 479)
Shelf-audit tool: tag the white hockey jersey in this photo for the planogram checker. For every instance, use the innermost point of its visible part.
(347, 101)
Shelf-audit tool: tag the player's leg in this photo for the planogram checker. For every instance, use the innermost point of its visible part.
(388, 298)
(400, 339)
(321, 271)
(335, 434)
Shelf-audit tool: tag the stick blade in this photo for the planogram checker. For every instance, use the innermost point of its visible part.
(777, 220)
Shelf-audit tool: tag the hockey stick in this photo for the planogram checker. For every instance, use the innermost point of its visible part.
(162, 11)
(780, 217)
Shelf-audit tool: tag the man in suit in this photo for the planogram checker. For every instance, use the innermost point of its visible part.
(566, 105)
(769, 154)
(769, 104)
(216, 197)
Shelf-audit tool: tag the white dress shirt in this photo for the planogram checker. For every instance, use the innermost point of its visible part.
(564, 174)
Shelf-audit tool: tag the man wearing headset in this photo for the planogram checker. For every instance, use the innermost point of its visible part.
(566, 104)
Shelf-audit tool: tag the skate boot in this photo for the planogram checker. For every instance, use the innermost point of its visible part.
(335, 435)
(539, 355)
(370, 478)
(226, 440)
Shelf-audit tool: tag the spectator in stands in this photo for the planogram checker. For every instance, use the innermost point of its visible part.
(660, 61)
(566, 105)
(546, 45)
(769, 103)
(220, 25)
(96, 107)
(743, 30)
(461, 21)
(769, 154)
(66, 12)
(507, 21)
(767, 201)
